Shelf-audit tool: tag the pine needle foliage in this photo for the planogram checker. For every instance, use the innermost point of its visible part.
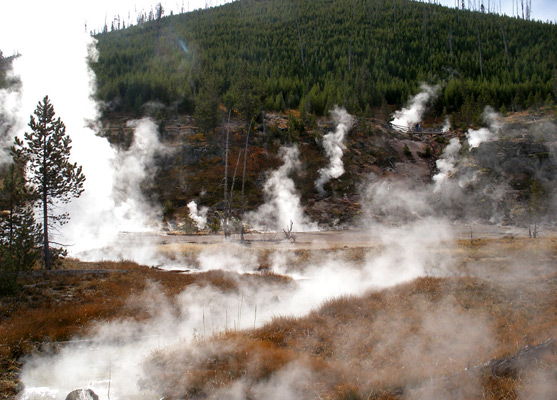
(46, 154)
(19, 234)
(317, 53)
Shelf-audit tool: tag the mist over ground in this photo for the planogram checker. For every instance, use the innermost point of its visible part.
(424, 325)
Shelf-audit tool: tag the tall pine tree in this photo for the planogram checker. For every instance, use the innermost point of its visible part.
(46, 154)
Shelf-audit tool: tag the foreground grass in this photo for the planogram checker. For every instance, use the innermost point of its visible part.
(53, 307)
(399, 343)
(424, 339)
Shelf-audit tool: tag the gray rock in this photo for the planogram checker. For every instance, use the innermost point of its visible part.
(82, 394)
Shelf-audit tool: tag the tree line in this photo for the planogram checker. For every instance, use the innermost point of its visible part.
(311, 55)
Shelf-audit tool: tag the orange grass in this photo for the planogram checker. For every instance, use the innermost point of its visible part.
(376, 346)
(416, 339)
(54, 307)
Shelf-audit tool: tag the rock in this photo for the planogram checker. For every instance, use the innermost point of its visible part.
(82, 394)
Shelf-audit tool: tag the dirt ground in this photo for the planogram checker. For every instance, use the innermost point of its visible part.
(347, 238)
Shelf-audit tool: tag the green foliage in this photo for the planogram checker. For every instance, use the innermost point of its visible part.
(295, 128)
(19, 235)
(318, 53)
(207, 106)
(427, 152)
(45, 154)
(406, 151)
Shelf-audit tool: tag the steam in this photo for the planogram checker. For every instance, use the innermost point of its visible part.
(198, 216)
(112, 354)
(446, 164)
(112, 202)
(333, 142)
(9, 105)
(413, 112)
(282, 201)
(477, 137)
(395, 201)
(446, 125)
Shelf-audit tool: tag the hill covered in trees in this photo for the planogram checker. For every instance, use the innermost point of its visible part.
(314, 54)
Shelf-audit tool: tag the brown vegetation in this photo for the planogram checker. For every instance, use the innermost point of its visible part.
(427, 335)
(428, 338)
(52, 307)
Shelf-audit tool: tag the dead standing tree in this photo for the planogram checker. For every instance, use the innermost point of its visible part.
(288, 233)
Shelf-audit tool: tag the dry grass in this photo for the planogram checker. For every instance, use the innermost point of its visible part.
(412, 341)
(54, 307)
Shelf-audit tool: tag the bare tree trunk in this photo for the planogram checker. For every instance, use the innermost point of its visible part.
(506, 46)
(244, 181)
(233, 181)
(46, 250)
(226, 206)
(47, 261)
(451, 43)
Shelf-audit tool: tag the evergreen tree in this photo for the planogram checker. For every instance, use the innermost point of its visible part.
(19, 234)
(46, 153)
(207, 106)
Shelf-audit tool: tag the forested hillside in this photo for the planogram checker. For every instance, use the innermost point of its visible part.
(312, 54)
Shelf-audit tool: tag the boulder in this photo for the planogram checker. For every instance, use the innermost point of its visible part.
(82, 394)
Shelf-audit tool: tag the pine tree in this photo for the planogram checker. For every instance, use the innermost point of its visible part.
(46, 153)
(19, 234)
(206, 113)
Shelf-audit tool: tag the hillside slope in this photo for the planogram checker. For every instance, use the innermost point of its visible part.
(387, 174)
(315, 54)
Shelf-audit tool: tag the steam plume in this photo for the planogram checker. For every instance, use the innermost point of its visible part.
(198, 216)
(282, 201)
(112, 201)
(333, 142)
(477, 137)
(413, 112)
(446, 163)
(115, 350)
(446, 125)
(113, 192)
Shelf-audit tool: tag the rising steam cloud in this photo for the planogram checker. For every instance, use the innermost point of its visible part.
(110, 359)
(477, 137)
(198, 216)
(413, 112)
(112, 201)
(333, 143)
(282, 201)
(446, 164)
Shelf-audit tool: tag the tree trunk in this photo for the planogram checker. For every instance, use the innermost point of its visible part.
(480, 51)
(518, 362)
(47, 261)
(244, 181)
(226, 206)
(46, 250)
(233, 182)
